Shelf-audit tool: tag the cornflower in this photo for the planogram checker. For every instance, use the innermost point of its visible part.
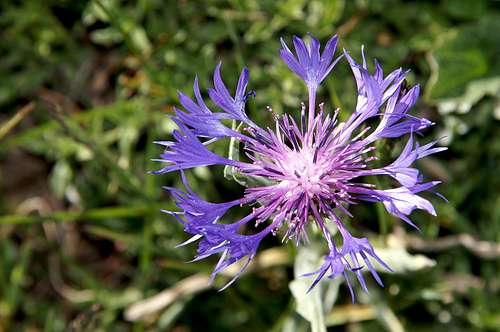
(314, 168)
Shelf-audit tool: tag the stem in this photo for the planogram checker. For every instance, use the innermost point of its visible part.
(383, 218)
(322, 226)
(14, 121)
(312, 101)
(88, 215)
(310, 120)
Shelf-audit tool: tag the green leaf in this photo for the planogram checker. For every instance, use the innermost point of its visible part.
(309, 304)
(400, 260)
(61, 177)
(474, 92)
(107, 36)
(465, 8)
(463, 54)
(456, 69)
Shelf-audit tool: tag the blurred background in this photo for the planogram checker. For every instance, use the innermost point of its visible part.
(84, 90)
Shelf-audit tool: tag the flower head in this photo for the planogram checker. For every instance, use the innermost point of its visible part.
(309, 65)
(315, 166)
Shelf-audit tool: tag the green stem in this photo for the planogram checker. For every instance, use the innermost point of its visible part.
(76, 216)
(382, 216)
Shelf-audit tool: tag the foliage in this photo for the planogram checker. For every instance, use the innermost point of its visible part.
(82, 241)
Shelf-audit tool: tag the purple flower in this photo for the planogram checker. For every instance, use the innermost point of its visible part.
(309, 65)
(197, 212)
(233, 108)
(188, 152)
(312, 168)
(335, 264)
(201, 119)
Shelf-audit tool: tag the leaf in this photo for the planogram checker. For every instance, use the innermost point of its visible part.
(309, 304)
(398, 258)
(474, 92)
(106, 36)
(401, 261)
(456, 69)
(465, 8)
(323, 13)
(463, 54)
(61, 177)
(115, 112)
(141, 41)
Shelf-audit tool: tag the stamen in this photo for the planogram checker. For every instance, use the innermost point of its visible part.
(315, 157)
(303, 117)
(358, 136)
(371, 148)
(335, 114)
(274, 114)
(210, 141)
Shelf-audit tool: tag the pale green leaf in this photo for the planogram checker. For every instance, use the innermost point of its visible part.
(401, 261)
(309, 304)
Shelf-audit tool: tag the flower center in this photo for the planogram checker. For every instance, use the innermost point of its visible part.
(303, 171)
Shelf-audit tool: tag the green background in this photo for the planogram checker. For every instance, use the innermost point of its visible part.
(84, 90)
